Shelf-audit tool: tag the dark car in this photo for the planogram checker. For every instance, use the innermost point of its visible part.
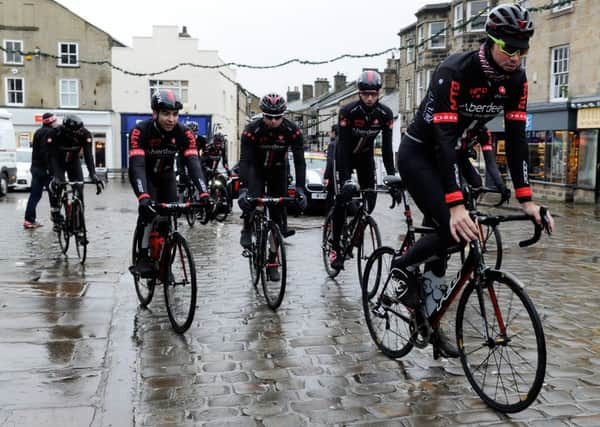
(315, 190)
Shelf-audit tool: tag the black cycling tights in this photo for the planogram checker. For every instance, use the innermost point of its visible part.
(419, 171)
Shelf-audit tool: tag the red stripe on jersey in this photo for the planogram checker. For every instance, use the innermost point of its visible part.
(143, 196)
(454, 197)
(520, 116)
(136, 152)
(190, 152)
(523, 192)
(487, 147)
(445, 118)
(135, 136)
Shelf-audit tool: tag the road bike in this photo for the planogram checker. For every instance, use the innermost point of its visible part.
(359, 231)
(72, 213)
(266, 254)
(499, 333)
(217, 188)
(174, 265)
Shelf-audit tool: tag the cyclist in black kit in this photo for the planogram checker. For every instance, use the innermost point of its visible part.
(466, 91)
(359, 123)
(263, 161)
(213, 153)
(69, 139)
(153, 144)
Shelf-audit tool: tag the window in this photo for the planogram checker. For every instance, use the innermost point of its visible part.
(588, 152)
(68, 54)
(423, 79)
(410, 49)
(564, 6)
(437, 35)
(421, 38)
(180, 87)
(476, 15)
(559, 79)
(408, 94)
(69, 93)
(15, 91)
(459, 18)
(11, 55)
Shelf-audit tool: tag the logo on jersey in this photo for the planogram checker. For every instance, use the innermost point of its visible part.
(478, 92)
(502, 90)
(485, 109)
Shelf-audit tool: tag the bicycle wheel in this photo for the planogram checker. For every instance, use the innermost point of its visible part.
(326, 245)
(79, 230)
(255, 257)
(180, 284)
(501, 343)
(144, 288)
(63, 233)
(190, 215)
(491, 247)
(370, 239)
(219, 194)
(274, 279)
(387, 319)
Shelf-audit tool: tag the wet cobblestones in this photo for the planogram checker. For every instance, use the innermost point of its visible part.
(77, 350)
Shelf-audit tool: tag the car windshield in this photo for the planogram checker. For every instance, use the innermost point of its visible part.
(24, 156)
(316, 165)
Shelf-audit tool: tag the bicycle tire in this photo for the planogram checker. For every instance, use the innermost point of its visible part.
(363, 251)
(491, 247)
(144, 288)
(326, 245)
(274, 290)
(180, 283)
(387, 319)
(79, 230)
(219, 193)
(512, 392)
(190, 216)
(63, 233)
(255, 261)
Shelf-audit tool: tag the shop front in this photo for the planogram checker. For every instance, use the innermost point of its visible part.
(588, 126)
(27, 120)
(554, 150)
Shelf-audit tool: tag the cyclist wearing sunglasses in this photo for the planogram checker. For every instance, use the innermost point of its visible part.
(359, 124)
(466, 91)
(263, 161)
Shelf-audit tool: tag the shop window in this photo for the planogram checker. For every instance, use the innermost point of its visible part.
(537, 154)
(573, 158)
(100, 150)
(588, 153)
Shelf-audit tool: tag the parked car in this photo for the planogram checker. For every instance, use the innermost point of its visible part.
(316, 191)
(8, 148)
(23, 169)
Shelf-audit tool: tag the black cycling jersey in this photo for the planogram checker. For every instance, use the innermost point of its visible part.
(64, 153)
(152, 153)
(461, 96)
(358, 128)
(212, 155)
(264, 148)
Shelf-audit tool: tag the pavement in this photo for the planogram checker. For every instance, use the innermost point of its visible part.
(76, 350)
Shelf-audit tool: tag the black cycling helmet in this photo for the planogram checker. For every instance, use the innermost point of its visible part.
(273, 104)
(219, 137)
(369, 80)
(165, 99)
(511, 23)
(72, 122)
(193, 126)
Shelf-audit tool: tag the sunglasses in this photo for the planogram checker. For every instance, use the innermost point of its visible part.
(269, 117)
(508, 50)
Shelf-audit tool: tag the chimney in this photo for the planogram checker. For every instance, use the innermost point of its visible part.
(339, 82)
(321, 86)
(184, 32)
(307, 92)
(292, 95)
(389, 80)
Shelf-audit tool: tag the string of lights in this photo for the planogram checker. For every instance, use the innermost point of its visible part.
(463, 25)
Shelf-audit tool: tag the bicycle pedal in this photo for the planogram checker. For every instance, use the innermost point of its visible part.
(246, 253)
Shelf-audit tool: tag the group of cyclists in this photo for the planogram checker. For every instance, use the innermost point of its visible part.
(467, 90)
(56, 150)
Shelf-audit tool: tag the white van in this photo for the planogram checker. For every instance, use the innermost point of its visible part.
(8, 153)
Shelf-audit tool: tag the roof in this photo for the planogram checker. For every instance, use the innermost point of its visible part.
(434, 7)
(114, 41)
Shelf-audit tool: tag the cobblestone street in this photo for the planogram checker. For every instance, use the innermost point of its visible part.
(77, 350)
